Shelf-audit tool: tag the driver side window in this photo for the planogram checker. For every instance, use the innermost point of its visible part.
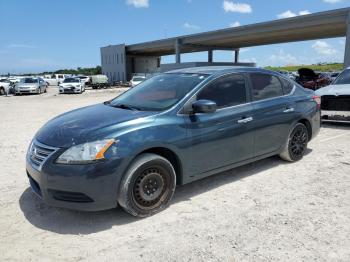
(226, 91)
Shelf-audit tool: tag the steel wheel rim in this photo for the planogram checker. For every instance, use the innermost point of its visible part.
(298, 142)
(150, 188)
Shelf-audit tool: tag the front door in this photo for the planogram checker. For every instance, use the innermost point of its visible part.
(226, 136)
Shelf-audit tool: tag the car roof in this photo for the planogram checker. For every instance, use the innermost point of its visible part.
(211, 70)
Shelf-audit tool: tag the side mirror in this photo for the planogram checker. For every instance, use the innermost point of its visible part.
(204, 106)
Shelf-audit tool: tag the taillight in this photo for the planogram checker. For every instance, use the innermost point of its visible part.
(317, 99)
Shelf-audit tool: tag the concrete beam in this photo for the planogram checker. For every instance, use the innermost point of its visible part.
(321, 25)
(347, 45)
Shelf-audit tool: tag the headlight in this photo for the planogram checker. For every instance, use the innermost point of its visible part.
(85, 153)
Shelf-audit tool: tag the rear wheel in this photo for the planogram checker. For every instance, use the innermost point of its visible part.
(147, 186)
(2, 91)
(297, 144)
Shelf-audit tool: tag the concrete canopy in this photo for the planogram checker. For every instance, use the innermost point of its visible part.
(321, 25)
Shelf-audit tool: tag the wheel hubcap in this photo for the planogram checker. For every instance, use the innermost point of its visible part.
(299, 142)
(149, 188)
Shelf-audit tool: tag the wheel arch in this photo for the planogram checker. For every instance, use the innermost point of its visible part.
(171, 156)
(307, 123)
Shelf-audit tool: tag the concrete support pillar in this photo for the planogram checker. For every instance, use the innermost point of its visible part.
(236, 56)
(178, 51)
(347, 45)
(210, 56)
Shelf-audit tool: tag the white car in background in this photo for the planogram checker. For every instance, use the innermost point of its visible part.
(50, 80)
(5, 86)
(85, 79)
(72, 85)
(335, 98)
(135, 80)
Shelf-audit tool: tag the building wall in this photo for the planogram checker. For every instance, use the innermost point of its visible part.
(142, 65)
(113, 62)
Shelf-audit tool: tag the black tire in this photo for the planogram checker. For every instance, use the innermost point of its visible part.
(2, 91)
(148, 185)
(296, 144)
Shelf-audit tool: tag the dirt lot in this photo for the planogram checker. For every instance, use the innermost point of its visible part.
(269, 210)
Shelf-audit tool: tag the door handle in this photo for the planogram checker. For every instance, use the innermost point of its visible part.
(245, 120)
(288, 110)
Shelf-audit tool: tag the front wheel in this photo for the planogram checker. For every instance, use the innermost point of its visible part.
(296, 144)
(147, 186)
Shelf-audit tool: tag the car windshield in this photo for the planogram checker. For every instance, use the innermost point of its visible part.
(29, 80)
(343, 78)
(71, 80)
(159, 92)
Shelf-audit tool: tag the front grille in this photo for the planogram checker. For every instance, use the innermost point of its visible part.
(70, 196)
(39, 153)
(335, 103)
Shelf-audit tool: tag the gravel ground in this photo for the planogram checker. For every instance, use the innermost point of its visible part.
(270, 210)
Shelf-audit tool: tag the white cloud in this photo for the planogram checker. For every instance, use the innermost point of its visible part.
(243, 50)
(305, 12)
(191, 26)
(249, 60)
(138, 3)
(323, 48)
(235, 24)
(20, 46)
(288, 14)
(230, 6)
(332, 1)
(283, 58)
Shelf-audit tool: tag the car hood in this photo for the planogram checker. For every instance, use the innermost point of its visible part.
(69, 84)
(334, 90)
(27, 85)
(87, 124)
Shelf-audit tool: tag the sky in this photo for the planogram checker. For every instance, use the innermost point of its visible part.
(38, 35)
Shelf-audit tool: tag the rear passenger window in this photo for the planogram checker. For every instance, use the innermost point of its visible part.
(265, 86)
(287, 86)
(225, 91)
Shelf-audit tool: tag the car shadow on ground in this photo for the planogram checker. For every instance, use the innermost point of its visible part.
(336, 125)
(64, 221)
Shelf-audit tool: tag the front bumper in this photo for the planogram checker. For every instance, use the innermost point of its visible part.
(70, 90)
(26, 91)
(337, 116)
(90, 187)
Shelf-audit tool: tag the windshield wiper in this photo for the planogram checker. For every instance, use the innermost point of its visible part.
(124, 106)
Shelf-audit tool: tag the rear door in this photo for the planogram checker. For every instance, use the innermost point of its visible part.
(274, 112)
(224, 137)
